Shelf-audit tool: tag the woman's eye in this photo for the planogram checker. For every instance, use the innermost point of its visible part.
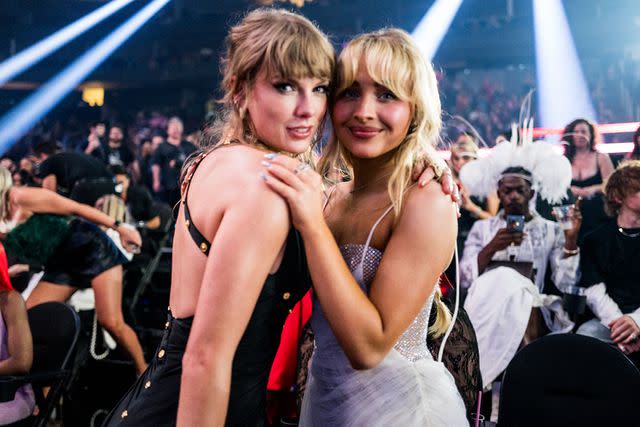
(388, 96)
(283, 87)
(322, 89)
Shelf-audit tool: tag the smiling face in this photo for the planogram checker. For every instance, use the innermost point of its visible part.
(368, 118)
(285, 114)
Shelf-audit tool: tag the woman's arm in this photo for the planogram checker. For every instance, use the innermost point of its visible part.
(419, 249)
(246, 244)
(19, 341)
(493, 204)
(39, 200)
(606, 166)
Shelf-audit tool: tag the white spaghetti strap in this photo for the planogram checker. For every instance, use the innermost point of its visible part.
(375, 225)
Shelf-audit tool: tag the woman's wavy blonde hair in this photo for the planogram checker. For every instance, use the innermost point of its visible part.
(6, 182)
(280, 42)
(393, 60)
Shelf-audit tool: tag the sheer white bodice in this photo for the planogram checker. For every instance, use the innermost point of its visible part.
(412, 343)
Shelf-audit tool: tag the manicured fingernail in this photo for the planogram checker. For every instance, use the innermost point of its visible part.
(266, 164)
(270, 156)
(423, 183)
(263, 176)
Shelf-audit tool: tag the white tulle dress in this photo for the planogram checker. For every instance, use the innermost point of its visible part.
(408, 388)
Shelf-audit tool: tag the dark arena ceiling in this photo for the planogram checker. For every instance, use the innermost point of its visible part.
(184, 41)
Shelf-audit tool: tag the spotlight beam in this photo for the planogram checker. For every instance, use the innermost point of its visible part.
(19, 120)
(562, 90)
(431, 29)
(35, 53)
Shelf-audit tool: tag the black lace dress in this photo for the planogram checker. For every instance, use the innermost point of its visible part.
(461, 356)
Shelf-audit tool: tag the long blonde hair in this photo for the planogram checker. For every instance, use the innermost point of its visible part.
(6, 183)
(393, 60)
(280, 42)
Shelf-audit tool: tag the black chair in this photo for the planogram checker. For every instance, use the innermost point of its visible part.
(569, 380)
(55, 327)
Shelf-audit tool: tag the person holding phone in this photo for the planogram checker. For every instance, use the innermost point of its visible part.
(505, 257)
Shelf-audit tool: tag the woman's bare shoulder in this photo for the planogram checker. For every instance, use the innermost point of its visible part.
(428, 204)
(234, 173)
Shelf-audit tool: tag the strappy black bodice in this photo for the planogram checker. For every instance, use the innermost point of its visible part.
(196, 235)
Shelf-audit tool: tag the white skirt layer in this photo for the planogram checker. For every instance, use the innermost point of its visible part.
(395, 393)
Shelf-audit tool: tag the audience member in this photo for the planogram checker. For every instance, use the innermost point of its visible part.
(589, 170)
(138, 199)
(472, 208)
(167, 162)
(44, 228)
(147, 148)
(116, 152)
(94, 140)
(16, 348)
(635, 153)
(610, 263)
(61, 171)
(525, 243)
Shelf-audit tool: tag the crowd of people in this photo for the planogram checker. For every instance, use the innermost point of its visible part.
(369, 222)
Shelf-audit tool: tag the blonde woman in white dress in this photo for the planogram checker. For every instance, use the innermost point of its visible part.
(375, 287)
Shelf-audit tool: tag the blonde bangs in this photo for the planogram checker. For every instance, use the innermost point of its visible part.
(386, 65)
(295, 52)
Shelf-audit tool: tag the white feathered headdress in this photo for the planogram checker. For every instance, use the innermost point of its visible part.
(550, 170)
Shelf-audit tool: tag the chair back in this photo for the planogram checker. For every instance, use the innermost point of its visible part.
(568, 379)
(55, 327)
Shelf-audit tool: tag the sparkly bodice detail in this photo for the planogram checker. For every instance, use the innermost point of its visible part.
(412, 345)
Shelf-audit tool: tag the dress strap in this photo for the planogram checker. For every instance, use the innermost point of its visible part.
(203, 244)
(366, 245)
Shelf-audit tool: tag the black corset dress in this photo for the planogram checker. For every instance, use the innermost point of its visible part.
(153, 399)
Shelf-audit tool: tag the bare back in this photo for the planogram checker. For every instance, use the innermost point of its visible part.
(225, 179)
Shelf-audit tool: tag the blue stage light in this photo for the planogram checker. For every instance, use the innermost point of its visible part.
(20, 119)
(32, 55)
(434, 25)
(562, 90)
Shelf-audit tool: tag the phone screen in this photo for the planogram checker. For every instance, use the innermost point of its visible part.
(515, 223)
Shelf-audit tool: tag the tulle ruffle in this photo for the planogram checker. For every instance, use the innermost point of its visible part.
(395, 393)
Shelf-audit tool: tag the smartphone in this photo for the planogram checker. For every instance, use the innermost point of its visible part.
(515, 223)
